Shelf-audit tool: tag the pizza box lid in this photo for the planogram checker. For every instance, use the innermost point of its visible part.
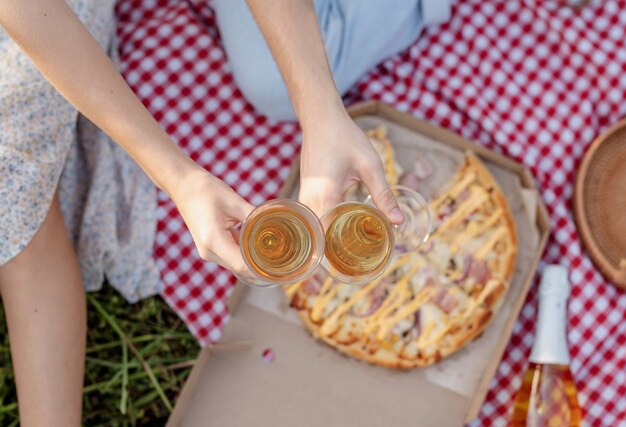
(310, 384)
(600, 202)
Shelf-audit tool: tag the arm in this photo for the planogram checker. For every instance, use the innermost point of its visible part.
(64, 51)
(335, 153)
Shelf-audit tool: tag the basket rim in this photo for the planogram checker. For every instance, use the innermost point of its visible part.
(615, 273)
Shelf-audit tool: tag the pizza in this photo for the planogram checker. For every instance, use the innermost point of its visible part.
(431, 302)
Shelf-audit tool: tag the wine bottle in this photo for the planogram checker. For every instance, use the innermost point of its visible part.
(547, 396)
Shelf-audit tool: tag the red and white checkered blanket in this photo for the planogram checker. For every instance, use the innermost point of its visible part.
(530, 79)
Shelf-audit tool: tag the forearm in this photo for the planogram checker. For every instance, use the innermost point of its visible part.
(71, 59)
(292, 32)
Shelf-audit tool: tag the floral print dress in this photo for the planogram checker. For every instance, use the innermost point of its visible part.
(108, 203)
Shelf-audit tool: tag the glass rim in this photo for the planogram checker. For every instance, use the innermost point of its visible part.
(371, 275)
(317, 237)
(368, 201)
(420, 200)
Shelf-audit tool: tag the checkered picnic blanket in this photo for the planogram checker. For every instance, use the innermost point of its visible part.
(531, 79)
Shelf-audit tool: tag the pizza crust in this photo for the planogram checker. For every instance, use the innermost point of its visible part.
(486, 179)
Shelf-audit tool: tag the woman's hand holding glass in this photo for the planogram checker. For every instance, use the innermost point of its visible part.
(336, 155)
(211, 209)
(358, 239)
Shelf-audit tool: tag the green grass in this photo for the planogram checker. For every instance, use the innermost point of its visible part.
(138, 357)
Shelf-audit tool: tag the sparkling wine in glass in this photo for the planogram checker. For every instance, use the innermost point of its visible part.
(282, 242)
(360, 242)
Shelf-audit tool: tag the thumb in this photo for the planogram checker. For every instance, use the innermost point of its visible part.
(383, 197)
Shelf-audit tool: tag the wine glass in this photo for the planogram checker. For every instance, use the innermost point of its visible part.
(282, 242)
(415, 230)
(360, 242)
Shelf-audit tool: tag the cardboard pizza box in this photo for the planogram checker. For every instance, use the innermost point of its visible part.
(310, 384)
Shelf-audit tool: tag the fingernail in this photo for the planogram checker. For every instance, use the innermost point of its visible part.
(396, 216)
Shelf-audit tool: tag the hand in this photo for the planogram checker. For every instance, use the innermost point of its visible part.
(336, 154)
(211, 209)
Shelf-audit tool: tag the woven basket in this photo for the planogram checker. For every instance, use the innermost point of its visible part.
(600, 202)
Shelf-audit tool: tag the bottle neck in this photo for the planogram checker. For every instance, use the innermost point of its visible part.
(550, 346)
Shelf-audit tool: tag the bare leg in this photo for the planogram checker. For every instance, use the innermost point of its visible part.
(44, 301)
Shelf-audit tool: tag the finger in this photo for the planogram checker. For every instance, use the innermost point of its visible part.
(229, 253)
(236, 233)
(374, 179)
(239, 209)
(320, 195)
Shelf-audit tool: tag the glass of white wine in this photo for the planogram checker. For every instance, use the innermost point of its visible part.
(360, 242)
(282, 242)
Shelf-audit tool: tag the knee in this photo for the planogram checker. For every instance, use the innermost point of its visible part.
(253, 67)
(263, 87)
